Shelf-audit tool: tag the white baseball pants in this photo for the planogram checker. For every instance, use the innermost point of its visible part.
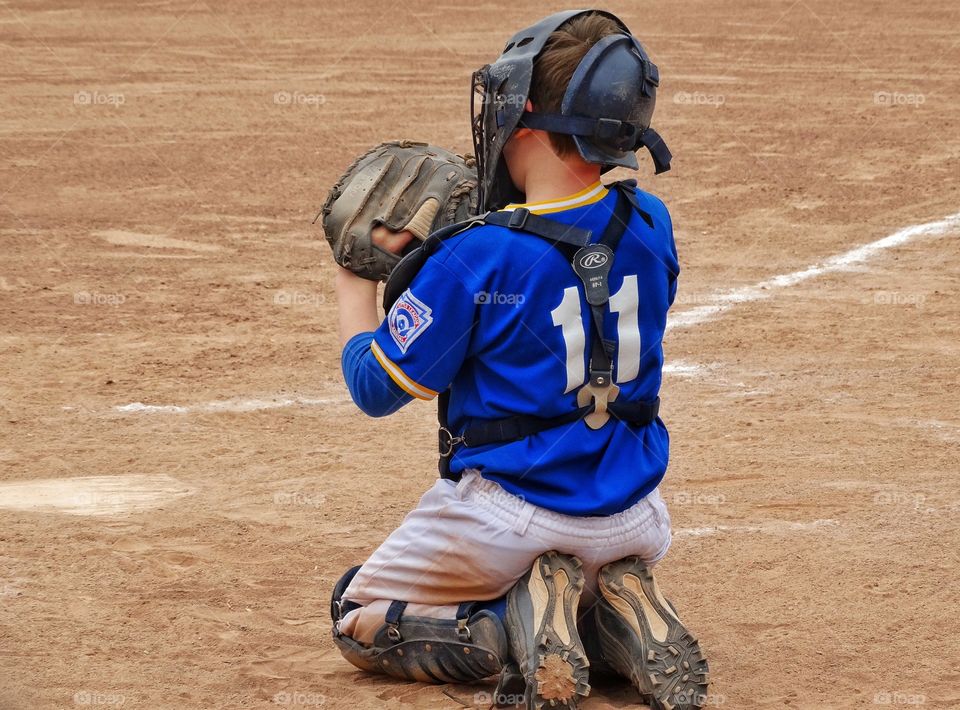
(472, 541)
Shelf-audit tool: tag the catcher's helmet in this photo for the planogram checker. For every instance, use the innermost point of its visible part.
(606, 108)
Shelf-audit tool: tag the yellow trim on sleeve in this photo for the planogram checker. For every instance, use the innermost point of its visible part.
(397, 375)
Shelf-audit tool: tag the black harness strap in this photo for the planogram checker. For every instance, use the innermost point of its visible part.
(621, 135)
(446, 438)
(548, 229)
(602, 350)
(392, 620)
(566, 239)
(494, 431)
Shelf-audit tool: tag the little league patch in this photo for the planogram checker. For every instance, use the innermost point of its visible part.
(408, 318)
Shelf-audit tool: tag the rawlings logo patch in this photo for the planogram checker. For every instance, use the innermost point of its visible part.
(408, 319)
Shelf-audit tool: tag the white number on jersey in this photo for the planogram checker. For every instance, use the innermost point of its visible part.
(567, 316)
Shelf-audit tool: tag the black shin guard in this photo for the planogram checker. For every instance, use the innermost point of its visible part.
(471, 647)
(432, 650)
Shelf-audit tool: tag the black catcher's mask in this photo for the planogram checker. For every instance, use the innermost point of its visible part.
(606, 108)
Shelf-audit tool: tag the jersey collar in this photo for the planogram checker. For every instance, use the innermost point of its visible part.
(596, 192)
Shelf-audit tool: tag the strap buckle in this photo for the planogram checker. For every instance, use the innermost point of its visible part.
(518, 218)
(448, 441)
(620, 134)
(601, 378)
(598, 396)
(607, 129)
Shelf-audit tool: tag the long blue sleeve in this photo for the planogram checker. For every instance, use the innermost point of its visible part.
(369, 384)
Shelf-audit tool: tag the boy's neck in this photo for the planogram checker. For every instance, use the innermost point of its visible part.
(549, 180)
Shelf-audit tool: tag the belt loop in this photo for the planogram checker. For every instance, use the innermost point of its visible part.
(658, 504)
(524, 516)
(467, 482)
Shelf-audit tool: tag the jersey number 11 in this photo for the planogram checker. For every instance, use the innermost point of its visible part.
(568, 317)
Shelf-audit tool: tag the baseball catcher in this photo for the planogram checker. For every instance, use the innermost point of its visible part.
(530, 299)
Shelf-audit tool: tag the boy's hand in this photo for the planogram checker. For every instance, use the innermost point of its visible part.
(388, 240)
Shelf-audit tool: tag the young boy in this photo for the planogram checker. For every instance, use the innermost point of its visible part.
(542, 327)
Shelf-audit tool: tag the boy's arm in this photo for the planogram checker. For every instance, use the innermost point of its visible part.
(369, 384)
(419, 348)
(356, 296)
(356, 305)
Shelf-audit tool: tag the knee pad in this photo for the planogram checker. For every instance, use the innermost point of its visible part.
(471, 647)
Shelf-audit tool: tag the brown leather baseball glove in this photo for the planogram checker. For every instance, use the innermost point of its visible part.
(402, 185)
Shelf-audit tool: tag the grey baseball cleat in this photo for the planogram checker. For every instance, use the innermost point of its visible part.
(541, 622)
(640, 635)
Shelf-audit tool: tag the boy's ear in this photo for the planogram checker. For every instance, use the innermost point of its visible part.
(522, 132)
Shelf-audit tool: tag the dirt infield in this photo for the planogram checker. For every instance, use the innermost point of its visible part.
(168, 321)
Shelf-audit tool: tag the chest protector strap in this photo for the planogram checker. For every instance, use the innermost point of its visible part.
(597, 399)
(562, 236)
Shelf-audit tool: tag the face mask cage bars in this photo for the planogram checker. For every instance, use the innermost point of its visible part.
(478, 125)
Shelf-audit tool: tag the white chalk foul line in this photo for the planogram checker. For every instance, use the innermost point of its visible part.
(722, 302)
(841, 262)
(775, 527)
(681, 368)
(229, 405)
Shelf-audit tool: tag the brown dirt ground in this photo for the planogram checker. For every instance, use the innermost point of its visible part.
(160, 250)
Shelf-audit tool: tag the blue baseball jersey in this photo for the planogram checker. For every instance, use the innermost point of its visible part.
(500, 318)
